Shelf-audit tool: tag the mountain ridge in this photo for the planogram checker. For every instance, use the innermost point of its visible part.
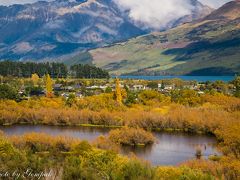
(52, 30)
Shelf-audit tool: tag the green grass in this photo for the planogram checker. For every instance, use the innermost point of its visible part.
(136, 54)
(146, 51)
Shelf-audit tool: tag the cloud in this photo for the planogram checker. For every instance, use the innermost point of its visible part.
(155, 13)
(158, 13)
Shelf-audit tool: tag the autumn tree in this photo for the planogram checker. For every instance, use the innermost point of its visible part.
(49, 86)
(35, 79)
(118, 93)
(186, 97)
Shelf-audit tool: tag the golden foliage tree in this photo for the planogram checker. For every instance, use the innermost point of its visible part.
(49, 86)
(35, 79)
(118, 93)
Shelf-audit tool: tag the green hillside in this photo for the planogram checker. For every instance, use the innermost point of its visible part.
(210, 46)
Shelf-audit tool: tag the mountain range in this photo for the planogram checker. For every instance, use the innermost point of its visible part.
(206, 41)
(61, 27)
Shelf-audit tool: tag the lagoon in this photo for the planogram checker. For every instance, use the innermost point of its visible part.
(169, 149)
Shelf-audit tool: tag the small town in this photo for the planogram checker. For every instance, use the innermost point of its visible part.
(80, 88)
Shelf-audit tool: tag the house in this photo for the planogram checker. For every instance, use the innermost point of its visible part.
(69, 88)
(103, 87)
(201, 92)
(21, 92)
(37, 92)
(114, 86)
(93, 87)
(58, 87)
(169, 87)
(139, 87)
(192, 87)
(164, 87)
(65, 95)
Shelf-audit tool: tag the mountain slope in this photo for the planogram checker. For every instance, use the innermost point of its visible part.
(49, 30)
(210, 46)
(46, 29)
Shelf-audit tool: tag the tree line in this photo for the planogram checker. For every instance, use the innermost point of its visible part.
(55, 70)
(88, 71)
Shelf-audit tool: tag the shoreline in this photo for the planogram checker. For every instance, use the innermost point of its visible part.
(110, 127)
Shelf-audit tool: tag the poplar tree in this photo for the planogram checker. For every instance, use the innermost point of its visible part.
(35, 79)
(49, 86)
(118, 92)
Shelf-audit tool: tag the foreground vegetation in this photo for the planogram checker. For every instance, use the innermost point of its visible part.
(212, 112)
(65, 158)
(218, 114)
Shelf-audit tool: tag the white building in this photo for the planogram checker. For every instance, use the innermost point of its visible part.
(139, 87)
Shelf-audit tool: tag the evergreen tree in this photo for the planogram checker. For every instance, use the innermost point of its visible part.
(22, 69)
(162, 85)
(88, 71)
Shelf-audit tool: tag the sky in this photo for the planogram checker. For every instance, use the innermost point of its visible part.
(212, 3)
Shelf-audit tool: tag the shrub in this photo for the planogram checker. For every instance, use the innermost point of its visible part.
(166, 173)
(10, 157)
(131, 136)
(137, 170)
(207, 166)
(40, 142)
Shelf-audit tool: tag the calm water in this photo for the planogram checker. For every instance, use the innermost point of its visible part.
(170, 148)
(186, 78)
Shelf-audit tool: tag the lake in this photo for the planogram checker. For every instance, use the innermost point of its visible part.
(186, 78)
(169, 149)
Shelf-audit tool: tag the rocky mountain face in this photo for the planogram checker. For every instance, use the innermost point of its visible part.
(61, 27)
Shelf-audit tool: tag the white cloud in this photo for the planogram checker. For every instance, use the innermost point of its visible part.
(155, 13)
(158, 13)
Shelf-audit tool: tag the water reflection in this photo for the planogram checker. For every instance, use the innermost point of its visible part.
(170, 148)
